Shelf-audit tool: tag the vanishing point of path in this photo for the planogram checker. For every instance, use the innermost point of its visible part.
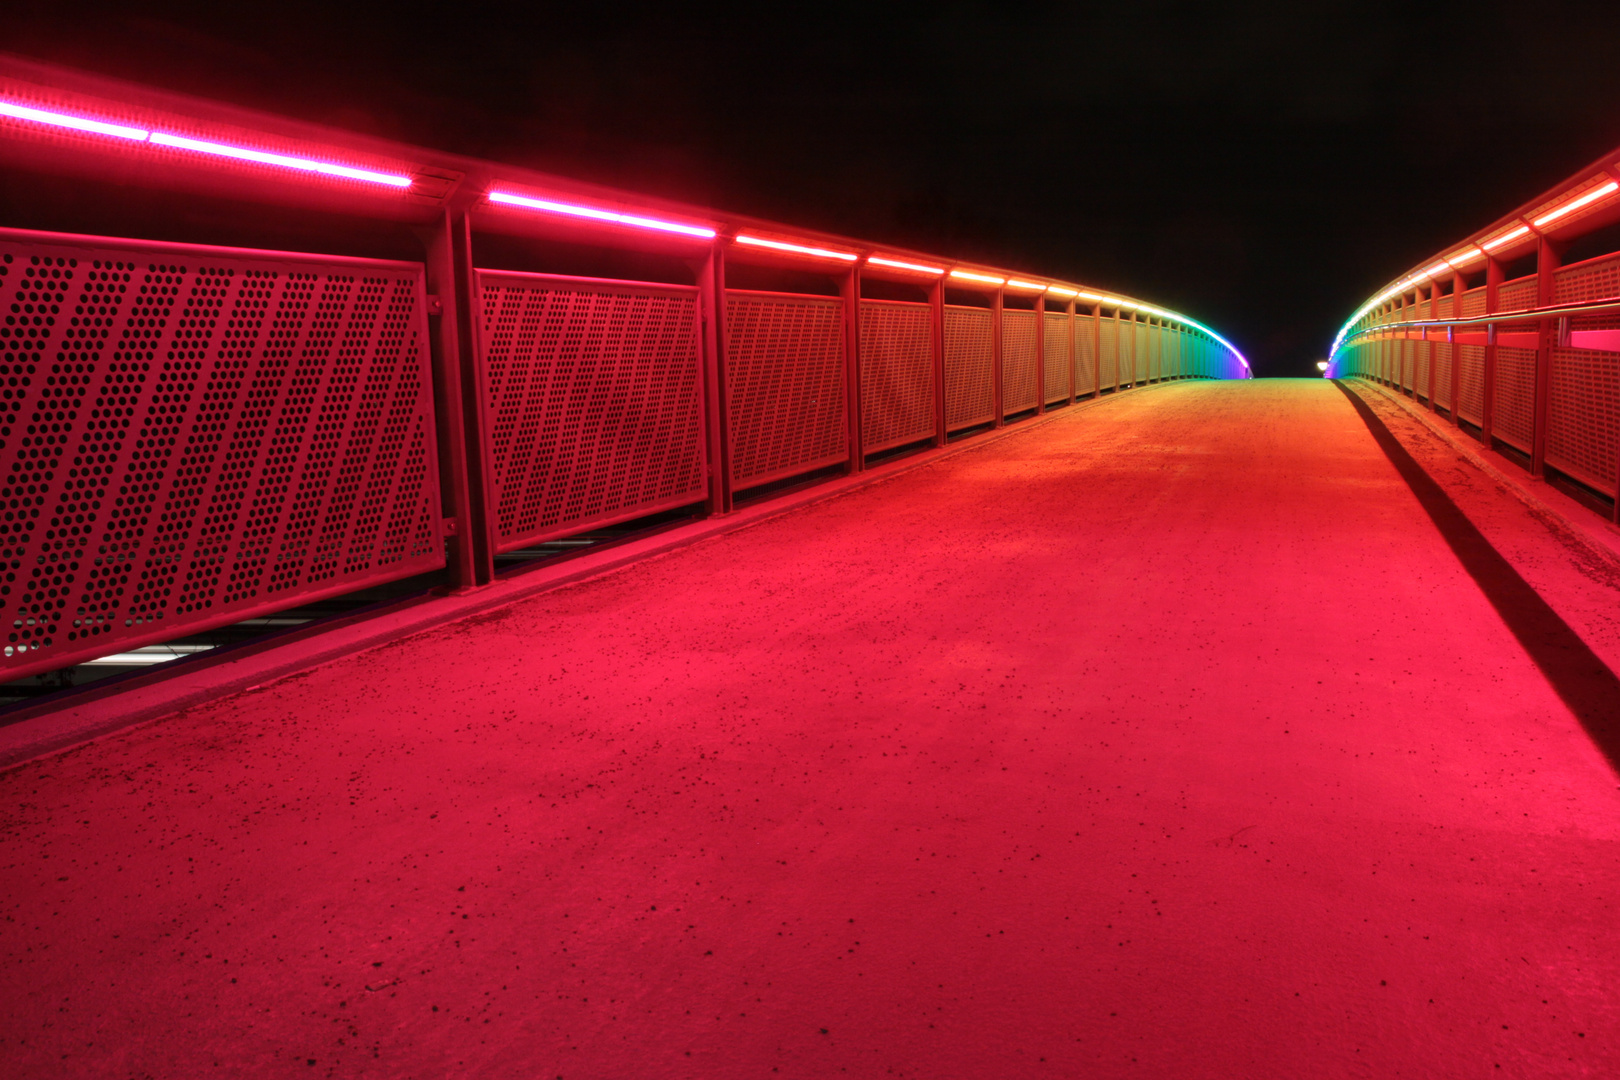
(1168, 738)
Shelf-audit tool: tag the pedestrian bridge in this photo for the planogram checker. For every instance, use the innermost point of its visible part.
(947, 670)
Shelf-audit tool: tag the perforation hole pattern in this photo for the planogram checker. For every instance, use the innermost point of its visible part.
(1473, 303)
(1057, 354)
(1471, 383)
(594, 403)
(1512, 419)
(1422, 352)
(1108, 361)
(1018, 390)
(1136, 332)
(1085, 344)
(1598, 279)
(969, 390)
(1583, 415)
(189, 439)
(1442, 373)
(1516, 295)
(785, 385)
(897, 374)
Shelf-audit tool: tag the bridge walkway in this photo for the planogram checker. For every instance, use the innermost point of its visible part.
(1171, 737)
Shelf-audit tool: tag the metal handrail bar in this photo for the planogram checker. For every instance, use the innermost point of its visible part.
(1517, 315)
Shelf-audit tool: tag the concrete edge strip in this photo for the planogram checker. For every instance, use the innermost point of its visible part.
(52, 733)
(1600, 538)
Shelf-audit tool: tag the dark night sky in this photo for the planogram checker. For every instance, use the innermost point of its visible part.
(1260, 166)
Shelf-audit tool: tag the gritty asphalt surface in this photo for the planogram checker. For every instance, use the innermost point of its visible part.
(1166, 740)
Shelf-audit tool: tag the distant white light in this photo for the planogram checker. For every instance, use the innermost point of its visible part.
(1321, 365)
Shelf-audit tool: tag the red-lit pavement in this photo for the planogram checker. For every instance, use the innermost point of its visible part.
(1167, 739)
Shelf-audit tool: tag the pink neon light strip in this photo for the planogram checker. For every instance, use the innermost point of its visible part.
(635, 220)
(180, 142)
(1464, 258)
(986, 278)
(797, 249)
(241, 153)
(1575, 204)
(1437, 269)
(77, 123)
(877, 260)
(1505, 237)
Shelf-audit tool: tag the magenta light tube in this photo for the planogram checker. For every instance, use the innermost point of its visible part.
(181, 142)
(506, 198)
(797, 249)
(241, 153)
(77, 123)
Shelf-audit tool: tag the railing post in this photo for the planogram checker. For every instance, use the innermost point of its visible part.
(1096, 346)
(717, 423)
(463, 454)
(850, 286)
(1458, 287)
(1434, 313)
(1040, 354)
(995, 355)
(1547, 254)
(1074, 354)
(936, 306)
(1493, 283)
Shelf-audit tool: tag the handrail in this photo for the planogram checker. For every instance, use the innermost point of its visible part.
(1515, 315)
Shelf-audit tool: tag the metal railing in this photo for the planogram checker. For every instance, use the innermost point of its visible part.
(196, 434)
(1531, 363)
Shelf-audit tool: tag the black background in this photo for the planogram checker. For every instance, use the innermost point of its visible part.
(1262, 167)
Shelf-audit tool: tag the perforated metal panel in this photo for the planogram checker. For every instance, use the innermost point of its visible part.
(1408, 361)
(1085, 344)
(969, 367)
(1420, 378)
(1512, 419)
(1018, 391)
(1583, 415)
(1516, 295)
(192, 436)
(594, 406)
(1473, 303)
(1108, 362)
(784, 384)
(1057, 356)
(1139, 359)
(897, 374)
(1471, 383)
(1595, 279)
(1442, 374)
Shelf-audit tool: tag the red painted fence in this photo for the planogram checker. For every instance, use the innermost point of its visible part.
(196, 434)
(1528, 363)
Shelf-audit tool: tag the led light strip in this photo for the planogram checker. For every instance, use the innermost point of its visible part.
(968, 275)
(1505, 237)
(1590, 197)
(878, 260)
(28, 114)
(797, 249)
(506, 198)
(180, 142)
